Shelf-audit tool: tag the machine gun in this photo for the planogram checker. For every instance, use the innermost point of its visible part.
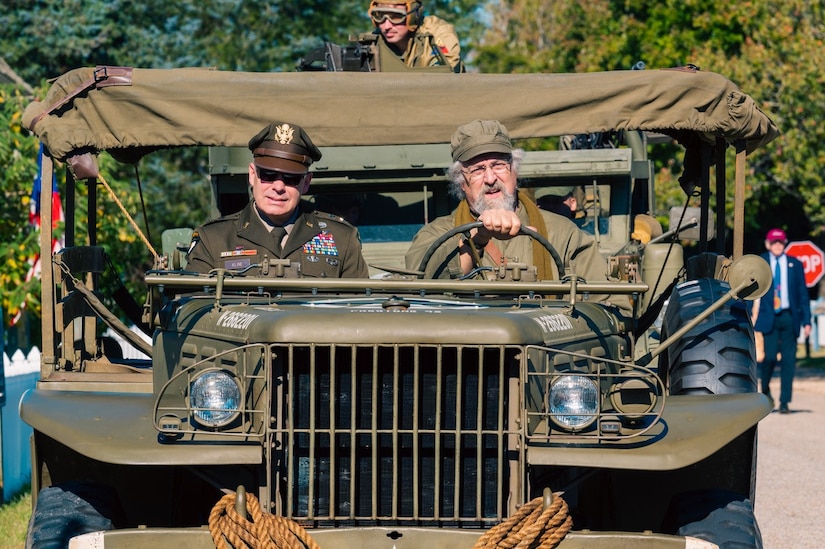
(361, 55)
(365, 53)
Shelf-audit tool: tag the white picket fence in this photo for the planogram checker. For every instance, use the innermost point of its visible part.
(129, 351)
(20, 363)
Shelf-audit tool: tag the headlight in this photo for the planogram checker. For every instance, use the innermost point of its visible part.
(573, 402)
(215, 398)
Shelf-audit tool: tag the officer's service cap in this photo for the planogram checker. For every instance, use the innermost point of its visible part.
(283, 147)
(480, 137)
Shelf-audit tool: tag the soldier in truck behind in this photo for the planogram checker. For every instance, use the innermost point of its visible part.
(277, 224)
(484, 175)
(416, 40)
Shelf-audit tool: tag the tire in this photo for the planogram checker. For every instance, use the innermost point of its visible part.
(69, 510)
(717, 356)
(718, 517)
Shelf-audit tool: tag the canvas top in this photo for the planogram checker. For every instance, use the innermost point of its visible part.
(130, 112)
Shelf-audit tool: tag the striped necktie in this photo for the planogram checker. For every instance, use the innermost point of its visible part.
(777, 287)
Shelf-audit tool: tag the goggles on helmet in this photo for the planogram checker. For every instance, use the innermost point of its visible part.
(395, 15)
(398, 12)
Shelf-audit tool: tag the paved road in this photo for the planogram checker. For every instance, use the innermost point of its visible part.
(790, 478)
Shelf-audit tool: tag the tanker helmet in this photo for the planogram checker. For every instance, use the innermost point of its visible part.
(381, 9)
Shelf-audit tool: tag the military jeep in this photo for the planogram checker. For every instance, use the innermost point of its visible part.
(400, 411)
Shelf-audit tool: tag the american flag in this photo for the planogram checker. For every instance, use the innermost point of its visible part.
(34, 222)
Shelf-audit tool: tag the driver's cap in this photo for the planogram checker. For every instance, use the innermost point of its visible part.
(480, 137)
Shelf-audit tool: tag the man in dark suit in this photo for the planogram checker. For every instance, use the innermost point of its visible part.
(780, 314)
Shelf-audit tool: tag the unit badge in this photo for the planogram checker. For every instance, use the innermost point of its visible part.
(284, 133)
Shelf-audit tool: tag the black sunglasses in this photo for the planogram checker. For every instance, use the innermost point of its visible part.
(290, 179)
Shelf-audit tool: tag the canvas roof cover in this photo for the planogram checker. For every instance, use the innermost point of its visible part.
(130, 112)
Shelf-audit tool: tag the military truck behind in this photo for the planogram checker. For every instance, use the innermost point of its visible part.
(397, 410)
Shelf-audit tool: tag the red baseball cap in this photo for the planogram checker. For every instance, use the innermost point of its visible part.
(776, 235)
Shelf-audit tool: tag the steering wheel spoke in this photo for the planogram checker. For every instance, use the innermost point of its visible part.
(467, 227)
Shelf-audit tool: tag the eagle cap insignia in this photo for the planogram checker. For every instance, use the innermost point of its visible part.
(284, 133)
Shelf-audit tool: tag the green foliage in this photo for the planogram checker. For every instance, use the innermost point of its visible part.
(46, 38)
(49, 37)
(773, 50)
(784, 66)
(18, 242)
(167, 189)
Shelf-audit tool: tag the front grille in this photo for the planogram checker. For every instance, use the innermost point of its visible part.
(393, 434)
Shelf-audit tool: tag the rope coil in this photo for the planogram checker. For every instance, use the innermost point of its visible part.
(262, 530)
(534, 526)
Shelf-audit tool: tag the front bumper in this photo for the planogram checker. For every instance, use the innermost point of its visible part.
(389, 538)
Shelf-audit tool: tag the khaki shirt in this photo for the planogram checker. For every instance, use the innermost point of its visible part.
(578, 250)
(323, 245)
(435, 41)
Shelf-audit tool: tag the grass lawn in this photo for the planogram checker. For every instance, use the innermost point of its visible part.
(14, 518)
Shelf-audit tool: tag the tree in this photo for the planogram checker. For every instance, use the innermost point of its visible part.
(19, 242)
(47, 38)
(774, 51)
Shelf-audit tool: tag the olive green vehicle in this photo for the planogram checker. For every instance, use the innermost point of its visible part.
(399, 411)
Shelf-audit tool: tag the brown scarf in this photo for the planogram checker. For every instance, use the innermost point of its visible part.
(544, 264)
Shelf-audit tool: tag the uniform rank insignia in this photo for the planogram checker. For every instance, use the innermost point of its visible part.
(195, 239)
(323, 244)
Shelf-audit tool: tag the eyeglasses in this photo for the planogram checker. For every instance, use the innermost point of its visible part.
(270, 176)
(396, 16)
(476, 174)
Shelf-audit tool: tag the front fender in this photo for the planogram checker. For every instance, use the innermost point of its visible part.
(117, 428)
(695, 427)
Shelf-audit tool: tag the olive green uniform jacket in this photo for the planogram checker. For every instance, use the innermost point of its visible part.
(323, 245)
(578, 250)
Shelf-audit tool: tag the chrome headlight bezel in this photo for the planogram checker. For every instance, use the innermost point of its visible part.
(573, 402)
(216, 398)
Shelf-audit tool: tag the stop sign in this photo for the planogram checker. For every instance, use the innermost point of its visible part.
(812, 259)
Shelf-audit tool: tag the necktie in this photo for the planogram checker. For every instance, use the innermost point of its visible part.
(777, 287)
(278, 234)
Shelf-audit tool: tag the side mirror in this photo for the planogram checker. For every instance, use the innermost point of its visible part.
(750, 276)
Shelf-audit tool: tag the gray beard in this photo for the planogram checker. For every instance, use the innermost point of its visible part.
(506, 202)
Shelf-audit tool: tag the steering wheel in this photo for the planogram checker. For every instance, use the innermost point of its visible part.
(475, 224)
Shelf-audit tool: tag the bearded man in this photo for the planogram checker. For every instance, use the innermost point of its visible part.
(484, 176)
